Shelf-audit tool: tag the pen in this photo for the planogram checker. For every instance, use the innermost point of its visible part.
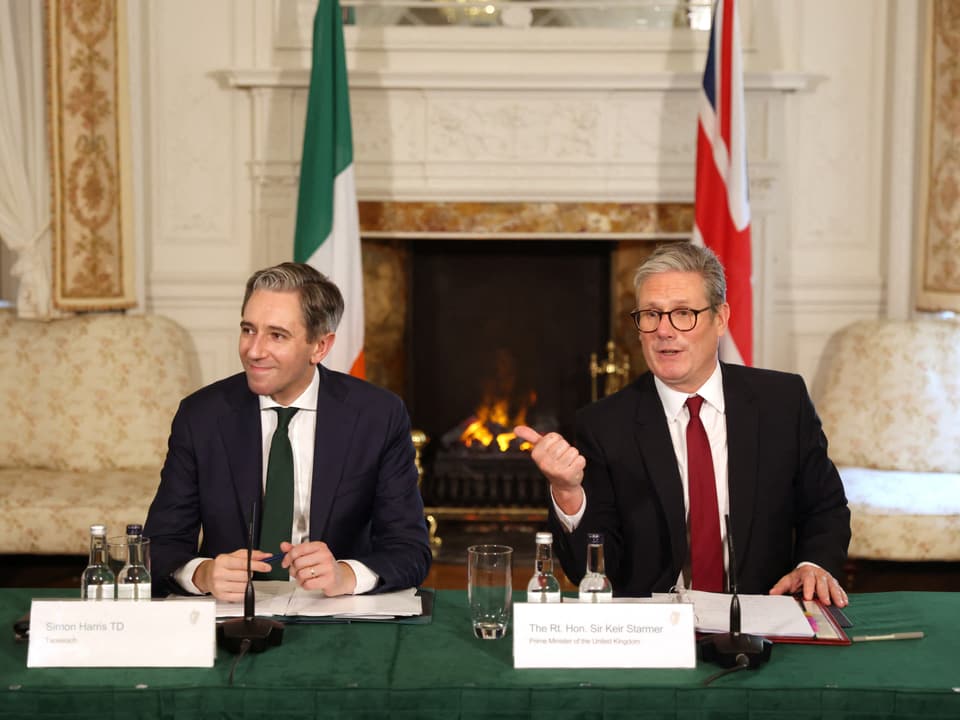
(892, 636)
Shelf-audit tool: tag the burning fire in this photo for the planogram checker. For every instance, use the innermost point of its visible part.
(489, 422)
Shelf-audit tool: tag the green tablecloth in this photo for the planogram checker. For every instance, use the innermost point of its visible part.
(440, 671)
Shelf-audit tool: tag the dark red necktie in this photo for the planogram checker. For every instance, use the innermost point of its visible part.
(706, 552)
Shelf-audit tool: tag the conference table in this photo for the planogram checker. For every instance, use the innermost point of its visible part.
(439, 670)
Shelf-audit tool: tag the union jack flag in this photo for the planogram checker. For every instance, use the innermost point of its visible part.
(721, 204)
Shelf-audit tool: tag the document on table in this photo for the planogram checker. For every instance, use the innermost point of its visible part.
(287, 599)
(768, 615)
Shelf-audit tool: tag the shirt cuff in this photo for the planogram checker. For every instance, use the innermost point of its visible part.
(367, 579)
(184, 576)
(570, 522)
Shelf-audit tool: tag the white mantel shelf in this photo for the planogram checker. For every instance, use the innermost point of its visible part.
(657, 81)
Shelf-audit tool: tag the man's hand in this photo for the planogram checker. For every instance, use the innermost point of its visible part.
(314, 567)
(815, 582)
(560, 463)
(225, 577)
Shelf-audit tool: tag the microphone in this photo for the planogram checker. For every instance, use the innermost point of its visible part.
(735, 648)
(249, 633)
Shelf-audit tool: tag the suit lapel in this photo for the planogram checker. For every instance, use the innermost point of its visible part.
(656, 448)
(743, 427)
(335, 424)
(241, 435)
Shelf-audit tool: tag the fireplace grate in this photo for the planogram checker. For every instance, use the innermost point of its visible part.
(460, 478)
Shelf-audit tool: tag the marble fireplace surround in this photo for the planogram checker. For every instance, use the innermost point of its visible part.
(387, 227)
(616, 163)
(552, 142)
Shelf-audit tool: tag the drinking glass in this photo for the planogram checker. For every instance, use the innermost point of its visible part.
(489, 589)
(117, 553)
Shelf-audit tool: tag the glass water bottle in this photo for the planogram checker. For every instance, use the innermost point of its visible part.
(133, 583)
(544, 586)
(595, 587)
(98, 582)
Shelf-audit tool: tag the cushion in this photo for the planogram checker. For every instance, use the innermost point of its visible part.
(91, 392)
(888, 393)
(50, 511)
(903, 516)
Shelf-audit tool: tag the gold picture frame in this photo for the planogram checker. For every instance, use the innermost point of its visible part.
(91, 185)
(938, 266)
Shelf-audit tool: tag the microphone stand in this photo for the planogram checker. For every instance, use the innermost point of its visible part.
(735, 649)
(249, 633)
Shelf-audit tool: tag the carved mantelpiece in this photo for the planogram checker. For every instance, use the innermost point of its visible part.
(594, 153)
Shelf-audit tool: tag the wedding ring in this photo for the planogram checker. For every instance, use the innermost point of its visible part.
(313, 572)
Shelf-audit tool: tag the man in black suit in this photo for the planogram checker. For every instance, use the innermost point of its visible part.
(628, 476)
(357, 522)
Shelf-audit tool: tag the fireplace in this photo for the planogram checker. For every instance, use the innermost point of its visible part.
(501, 333)
(488, 314)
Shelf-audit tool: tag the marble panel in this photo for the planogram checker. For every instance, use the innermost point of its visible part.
(464, 127)
(386, 292)
(529, 218)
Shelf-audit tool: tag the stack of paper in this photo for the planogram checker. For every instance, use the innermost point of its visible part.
(767, 615)
(285, 598)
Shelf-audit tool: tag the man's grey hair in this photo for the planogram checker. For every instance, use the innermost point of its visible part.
(320, 300)
(686, 257)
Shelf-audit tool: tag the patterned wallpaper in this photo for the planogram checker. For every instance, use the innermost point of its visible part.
(90, 166)
(939, 287)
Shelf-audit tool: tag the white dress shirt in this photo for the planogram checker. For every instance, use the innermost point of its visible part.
(677, 415)
(302, 432)
(714, 419)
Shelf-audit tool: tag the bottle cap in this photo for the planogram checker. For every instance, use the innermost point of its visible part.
(544, 538)
(134, 529)
(98, 529)
(595, 538)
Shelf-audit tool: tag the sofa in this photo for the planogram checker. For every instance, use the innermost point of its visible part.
(888, 393)
(87, 405)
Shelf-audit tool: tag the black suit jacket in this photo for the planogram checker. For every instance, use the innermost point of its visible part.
(364, 501)
(787, 503)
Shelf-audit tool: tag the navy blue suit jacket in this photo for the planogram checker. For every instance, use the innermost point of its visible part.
(787, 503)
(364, 502)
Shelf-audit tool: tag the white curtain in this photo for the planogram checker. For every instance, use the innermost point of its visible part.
(24, 159)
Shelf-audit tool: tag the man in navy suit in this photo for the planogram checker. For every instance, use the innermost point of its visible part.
(357, 521)
(628, 476)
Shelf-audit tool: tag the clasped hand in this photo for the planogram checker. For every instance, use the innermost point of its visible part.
(314, 567)
(311, 564)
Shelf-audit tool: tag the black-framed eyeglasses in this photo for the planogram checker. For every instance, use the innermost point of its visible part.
(682, 319)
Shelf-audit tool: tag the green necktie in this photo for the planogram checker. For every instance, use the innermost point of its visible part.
(277, 515)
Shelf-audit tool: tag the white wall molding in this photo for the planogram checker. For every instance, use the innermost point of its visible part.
(561, 115)
(901, 186)
(455, 78)
(847, 295)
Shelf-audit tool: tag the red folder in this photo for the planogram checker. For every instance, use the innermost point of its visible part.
(825, 627)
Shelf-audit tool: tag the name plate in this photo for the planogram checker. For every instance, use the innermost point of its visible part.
(603, 635)
(159, 633)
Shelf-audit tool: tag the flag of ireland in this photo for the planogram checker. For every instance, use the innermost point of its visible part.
(328, 229)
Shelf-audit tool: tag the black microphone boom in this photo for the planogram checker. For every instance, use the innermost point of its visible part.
(249, 633)
(734, 647)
